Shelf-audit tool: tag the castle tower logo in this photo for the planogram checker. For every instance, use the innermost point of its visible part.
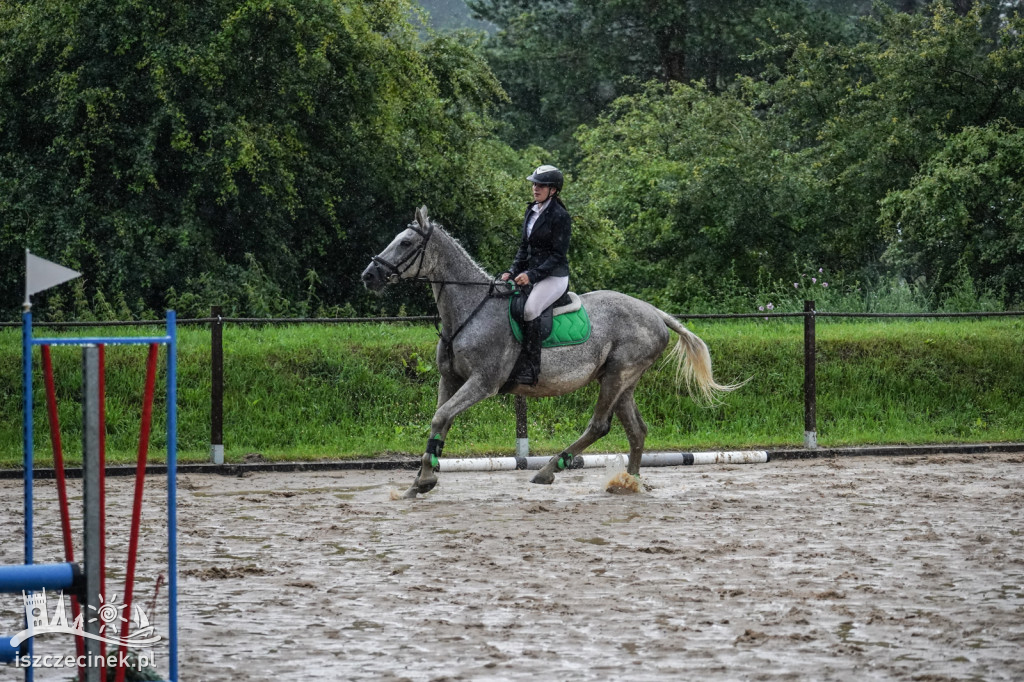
(109, 614)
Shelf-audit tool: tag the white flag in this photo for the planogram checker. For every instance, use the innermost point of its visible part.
(41, 274)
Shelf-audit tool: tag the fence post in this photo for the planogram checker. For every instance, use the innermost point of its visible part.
(217, 386)
(810, 387)
(522, 440)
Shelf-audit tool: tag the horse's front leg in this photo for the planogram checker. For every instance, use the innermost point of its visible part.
(469, 394)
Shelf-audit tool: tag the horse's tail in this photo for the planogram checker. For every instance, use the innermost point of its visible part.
(693, 364)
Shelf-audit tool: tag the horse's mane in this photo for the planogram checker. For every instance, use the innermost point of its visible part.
(458, 246)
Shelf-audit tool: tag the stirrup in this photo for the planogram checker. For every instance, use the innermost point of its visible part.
(527, 375)
(527, 379)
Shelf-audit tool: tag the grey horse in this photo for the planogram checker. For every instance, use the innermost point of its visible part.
(477, 350)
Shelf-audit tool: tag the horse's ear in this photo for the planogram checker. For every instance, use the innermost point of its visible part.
(421, 217)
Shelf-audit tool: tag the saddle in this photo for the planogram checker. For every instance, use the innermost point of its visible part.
(564, 323)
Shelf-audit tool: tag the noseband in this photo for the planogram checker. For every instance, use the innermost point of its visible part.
(414, 257)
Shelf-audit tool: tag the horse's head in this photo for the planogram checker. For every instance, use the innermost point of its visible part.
(403, 257)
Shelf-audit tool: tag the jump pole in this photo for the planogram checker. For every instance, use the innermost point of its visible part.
(92, 483)
(140, 479)
(62, 489)
(649, 459)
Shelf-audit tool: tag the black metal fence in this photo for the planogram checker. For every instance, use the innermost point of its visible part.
(216, 324)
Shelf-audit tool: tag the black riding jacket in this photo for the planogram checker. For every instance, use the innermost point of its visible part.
(545, 252)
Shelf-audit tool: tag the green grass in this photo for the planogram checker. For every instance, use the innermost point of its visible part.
(313, 392)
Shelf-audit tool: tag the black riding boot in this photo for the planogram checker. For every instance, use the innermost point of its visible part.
(528, 367)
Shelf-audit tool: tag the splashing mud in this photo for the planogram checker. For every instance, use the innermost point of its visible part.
(623, 484)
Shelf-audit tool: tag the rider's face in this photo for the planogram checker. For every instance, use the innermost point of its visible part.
(542, 193)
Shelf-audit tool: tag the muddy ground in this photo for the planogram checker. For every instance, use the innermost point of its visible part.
(907, 568)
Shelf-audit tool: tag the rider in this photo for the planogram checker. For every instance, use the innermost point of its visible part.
(541, 264)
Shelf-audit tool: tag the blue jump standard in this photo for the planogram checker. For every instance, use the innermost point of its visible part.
(31, 573)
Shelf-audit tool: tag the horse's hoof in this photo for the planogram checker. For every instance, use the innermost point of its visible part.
(543, 478)
(411, 493)
(424, 486)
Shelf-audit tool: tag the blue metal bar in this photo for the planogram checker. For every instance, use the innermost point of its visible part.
(26, 402)
(172, 493)
(26, 397)
(8, 653)
(32, 577)
(99, 341)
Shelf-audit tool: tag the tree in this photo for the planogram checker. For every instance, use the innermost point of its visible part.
(451, 14)
(161, 147)
(868, 117)
(964, 213)
(698, 190)
(807, 164)
(564, 61)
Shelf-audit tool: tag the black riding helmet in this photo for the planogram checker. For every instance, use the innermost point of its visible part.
(548, 175)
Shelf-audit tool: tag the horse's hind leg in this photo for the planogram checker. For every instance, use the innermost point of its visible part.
(612, 389)
(636, 430)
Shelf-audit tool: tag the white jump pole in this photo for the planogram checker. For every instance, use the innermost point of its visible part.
(650, 459)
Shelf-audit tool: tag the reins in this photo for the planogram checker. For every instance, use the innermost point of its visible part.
(450, 340)
(459, 282)
(416, 257)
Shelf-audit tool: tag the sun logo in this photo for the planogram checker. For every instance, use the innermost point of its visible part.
(109, 615)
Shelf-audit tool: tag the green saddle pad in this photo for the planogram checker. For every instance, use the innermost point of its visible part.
(567, 329)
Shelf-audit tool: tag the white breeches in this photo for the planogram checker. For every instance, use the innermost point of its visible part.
(545, 292)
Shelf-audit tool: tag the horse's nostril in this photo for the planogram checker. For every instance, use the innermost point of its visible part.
(367, 276)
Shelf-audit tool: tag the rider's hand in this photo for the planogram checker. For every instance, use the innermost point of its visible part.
(522, 279)
(505, 276)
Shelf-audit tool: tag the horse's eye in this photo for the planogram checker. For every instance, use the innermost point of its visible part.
(405, 242)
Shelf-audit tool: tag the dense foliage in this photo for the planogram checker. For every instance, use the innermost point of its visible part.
(894, 155)
(183, 153)
(564, 61)
(255, 153)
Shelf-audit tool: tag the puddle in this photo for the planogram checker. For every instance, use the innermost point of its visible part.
(592, 541)
(286, 492)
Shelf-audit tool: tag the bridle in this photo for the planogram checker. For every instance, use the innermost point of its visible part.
(414, 257)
